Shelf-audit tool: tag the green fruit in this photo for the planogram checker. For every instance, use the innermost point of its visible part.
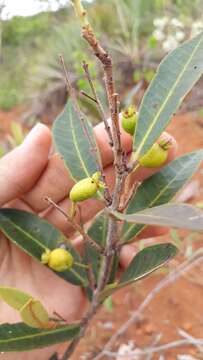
(58, 259)
(129, 119)
(86, 188)
(155, 157)
(45, 256)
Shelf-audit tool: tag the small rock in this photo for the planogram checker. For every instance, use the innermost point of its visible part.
(149, 329)
(187, 326)
(108, 325)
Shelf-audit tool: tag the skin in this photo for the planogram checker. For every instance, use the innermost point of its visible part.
(34, 172)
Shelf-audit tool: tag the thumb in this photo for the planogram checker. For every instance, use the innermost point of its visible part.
(21, 168)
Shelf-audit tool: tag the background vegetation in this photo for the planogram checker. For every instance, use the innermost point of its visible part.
(30, 46)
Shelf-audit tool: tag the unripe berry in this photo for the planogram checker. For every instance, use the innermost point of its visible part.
(86, 188)
(156, 156)
(129, 119)
(58, 259)
(45, 256)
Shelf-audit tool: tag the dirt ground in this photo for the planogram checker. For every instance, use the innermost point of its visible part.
(179, 306)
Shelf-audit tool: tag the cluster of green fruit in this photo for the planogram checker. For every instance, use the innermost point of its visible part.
(158, 153)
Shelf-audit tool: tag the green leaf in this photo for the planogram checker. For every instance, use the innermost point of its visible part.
(20, 337)
(161, 188)
(97, 232)
(173, 215)
(73, 144)
(33, 235)
(34, 314)
(14, 297)
(108, 304)
(176, 75)
(17, 132)
(144, 263)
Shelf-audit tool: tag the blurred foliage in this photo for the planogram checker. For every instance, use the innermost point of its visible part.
(14, 138)
(22, 39)
(29, 65)
(16, 31)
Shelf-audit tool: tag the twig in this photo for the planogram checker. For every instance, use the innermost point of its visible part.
(129, 192)
(156, 349)
(59, 316)
(155, 342)
(103, 117)
(105, 59)
(88, 96)
(76, 107)
(173, 276)
(189, 337)
(97, 100)
(76, 226)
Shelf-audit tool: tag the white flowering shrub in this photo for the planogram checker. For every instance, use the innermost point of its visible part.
(170, 32)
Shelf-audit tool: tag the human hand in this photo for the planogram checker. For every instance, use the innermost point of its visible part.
(27, 175)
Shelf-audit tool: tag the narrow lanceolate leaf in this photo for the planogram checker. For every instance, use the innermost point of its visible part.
(34, 314)
(173, 215)
(176, 75)
(73, 143)
(33, 235)
(20, 337)
(14, 297)
(144, 263)
(161, 188)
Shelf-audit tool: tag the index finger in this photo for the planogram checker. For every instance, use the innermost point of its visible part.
(55, 182)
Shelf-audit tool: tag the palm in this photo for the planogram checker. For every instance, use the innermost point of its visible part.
(21, 271)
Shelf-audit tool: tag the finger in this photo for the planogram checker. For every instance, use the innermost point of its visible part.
(151, 231)
(56, 182)
(21, 168)
(126, 255)
(90, 207)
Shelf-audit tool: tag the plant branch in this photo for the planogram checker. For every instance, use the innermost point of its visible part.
(120, 167)
(88, 96)
(105, 59)
(155, 349)
(103, 117)
(99, 104)
(76, 226)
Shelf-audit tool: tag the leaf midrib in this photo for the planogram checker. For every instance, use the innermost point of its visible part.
(124, 283)
(77, 148)
(157, 197)
(23, 232)
(167, 98)
(44, 333)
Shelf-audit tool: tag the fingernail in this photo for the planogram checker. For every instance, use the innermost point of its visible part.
(32, 134)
